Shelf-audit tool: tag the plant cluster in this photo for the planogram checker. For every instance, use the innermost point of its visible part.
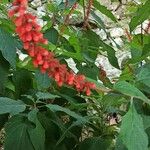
(47, 105)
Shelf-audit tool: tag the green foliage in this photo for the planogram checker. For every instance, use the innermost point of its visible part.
(37, 134)
(8, 45)
(143, 75)
(22, 80)
(141, 15)
(52, 35)
(4, 70)
(11, 106)
(132, 124)
(56, 108)
(95, 143)
(104, 10)
(43, 81)
(128, 89)
(17, 134)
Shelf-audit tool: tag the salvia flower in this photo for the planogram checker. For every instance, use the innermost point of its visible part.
(30, 34)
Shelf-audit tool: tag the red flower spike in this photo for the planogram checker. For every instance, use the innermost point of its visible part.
(40, 62)
(11, 13)
(70, 78)
(28, 27)
(18, 21)
(28, 37)
(35, 63)
(29, 32)
(32, 53)
(26, 45)
(42, 70)
(39, 57)
(88, 92)
(45, 65)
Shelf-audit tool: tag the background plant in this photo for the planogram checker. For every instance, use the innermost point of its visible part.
(37, 114)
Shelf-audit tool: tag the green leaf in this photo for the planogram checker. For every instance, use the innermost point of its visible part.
(91, 71)
(66, 45)
(68, 133)
(52, 35)
(143, 75)
(130, 90)
(96, 43)
(104, 10)
(95, 143)
(17, 137)
(41, 95)
(8, 45)
(132, 131)
(3, 120)
(56, 108)
(99, 85)
(141, 15)
(111, 54)
(74, 41)
(43, 81)
(119, 145)
(22, 80)
(112, 100)
(146, 121)
(47, 120)
(7, 24)
(4, 70)
(11, 106)
(37, 134)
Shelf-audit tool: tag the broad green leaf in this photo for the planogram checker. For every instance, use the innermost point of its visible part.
(22, 80)
(44, 96)
(17, 137)
(130, 90)
(104, 10)
(141, 15)
(95, 143)
(8, 45)
(56, 108)
(43, 81)
(11, 106)
(52, 35)
(37, 134)
(132, 131)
